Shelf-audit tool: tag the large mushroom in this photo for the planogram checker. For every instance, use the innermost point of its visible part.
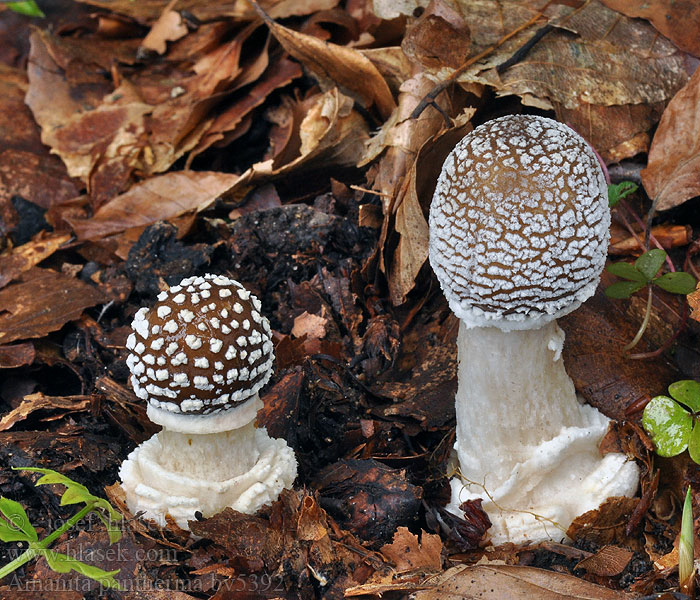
(518, 237)
(199, 357)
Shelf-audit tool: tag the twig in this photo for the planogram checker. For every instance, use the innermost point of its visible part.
(429, 98)
(523, 51)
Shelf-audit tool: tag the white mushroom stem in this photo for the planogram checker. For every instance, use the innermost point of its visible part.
(525, 437)
(217, 456)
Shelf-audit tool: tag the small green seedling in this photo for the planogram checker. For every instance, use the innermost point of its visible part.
(28, 8)
(15, 527)
(672, 422)
(643, 273)
(619, 191)
(686, 545)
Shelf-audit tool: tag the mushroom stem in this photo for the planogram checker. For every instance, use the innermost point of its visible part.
(216, 456)
(524, 440)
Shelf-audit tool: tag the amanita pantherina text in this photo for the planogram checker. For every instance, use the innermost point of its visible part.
(518, 237)
(199, 358)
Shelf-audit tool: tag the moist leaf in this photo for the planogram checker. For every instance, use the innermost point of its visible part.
(650, 262)
(686, 392)
(626, 271)
(623, 289)
(669, 425)
(677, 283)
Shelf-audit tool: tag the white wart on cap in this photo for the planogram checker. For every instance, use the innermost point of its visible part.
(519, 223)
(203, 349)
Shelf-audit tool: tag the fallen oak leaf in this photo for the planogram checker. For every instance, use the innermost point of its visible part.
(335, 65)
(408, 554)
(155, 199)
(672, 175)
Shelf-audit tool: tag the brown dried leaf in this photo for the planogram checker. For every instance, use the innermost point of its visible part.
(24, 257)
(155, 199)
(678, 21)
(168, 28)
(672, 175)
(38, 401)
(595, 335)
(96, 136)
(42, 301)
(16, 355)
(510, 582)
(408, 554)
(147, 11)
(611, 61)
(607, 562)
(606, 524)
(694, 303)
(439, 37)
(312, 326)
(336, 65)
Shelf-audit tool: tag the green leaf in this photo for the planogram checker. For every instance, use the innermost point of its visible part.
(649, 263)
(75, 492)
(668, 424)
(10, 533)
(618, 191)
(626, 271)
(62, 563)
(686, 392)
(686, 545)
(623, 289)
(677, 283)
(694, 443)
(113, 527)
(28, 8)
(17, 520)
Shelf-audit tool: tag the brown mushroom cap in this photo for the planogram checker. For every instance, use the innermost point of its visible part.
(202, 349)
(519, 223)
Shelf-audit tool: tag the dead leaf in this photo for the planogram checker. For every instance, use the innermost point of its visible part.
(335, 65)
(408, 554)
(16, 355)
(168, 28)
(39, 401)
(672, 175)
(510, 582)
(42, 301)
(611, 60)
(595, 335)
(678, 21)
(438, 38)
(313, 326)
(606, 524)
(607, 562)
(24, 257)
(161, 197)
(694, 303)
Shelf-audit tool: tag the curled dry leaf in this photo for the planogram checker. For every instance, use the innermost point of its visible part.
(155, 199)
(17, 355)
(168, 28)
(408, 554)
(672, 175)
(42, 301)
(336, 65)
(678, 21)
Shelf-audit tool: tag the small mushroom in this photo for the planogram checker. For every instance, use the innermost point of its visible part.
(198, 358)
(518, 237)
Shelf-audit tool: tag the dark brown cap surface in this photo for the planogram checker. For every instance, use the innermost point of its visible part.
(203, 348)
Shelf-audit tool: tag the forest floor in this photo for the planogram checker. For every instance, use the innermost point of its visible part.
(294, 146)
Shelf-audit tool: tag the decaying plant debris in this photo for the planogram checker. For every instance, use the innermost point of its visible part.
(294, 146)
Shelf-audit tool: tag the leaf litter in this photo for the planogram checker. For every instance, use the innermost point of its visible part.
(294, 146)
